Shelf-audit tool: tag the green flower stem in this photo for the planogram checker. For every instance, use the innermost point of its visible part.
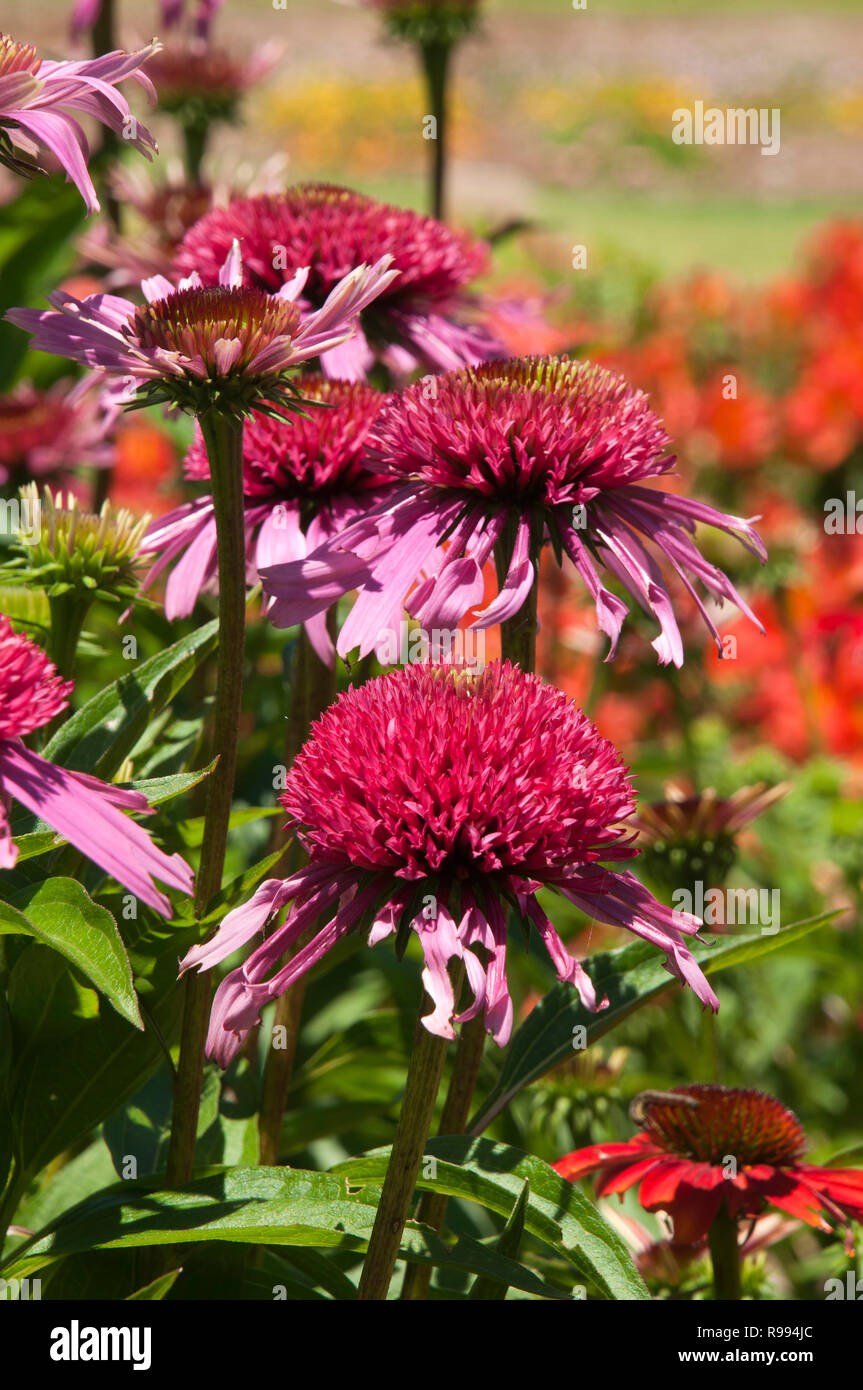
(313, 688)
(223, 436)
(435, 57)
(518, 633)
(423, 1079)
(68, 615)
(454, 1118)
(195, 135)
(725, 1255)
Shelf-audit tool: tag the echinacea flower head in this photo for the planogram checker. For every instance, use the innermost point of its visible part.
(228, 346)
(422, 319)
(301, 485)
(81, 808)
(49, 433)
(38, 99)
(681, 1162)
(528, 450)
(200, 84)
(431, 801)
(685, 838)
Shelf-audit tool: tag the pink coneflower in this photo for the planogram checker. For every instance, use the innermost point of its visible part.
(37, 98)
(197, 82)
(79, 807)
(436, 801)
(301, 485)
(421, 320)
(525, 451)
(680, 1162)
(194, 346)
(48, 433)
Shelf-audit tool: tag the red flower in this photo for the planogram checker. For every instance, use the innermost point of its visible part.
(682, 1161)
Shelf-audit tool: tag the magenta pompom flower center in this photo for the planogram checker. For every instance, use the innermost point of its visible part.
(331, 229)
(434, 771)
(320, 456)
(538, 429)
(31, 692)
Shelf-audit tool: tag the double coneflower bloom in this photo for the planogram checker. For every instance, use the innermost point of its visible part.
(517, 454)
(86, 811)
(437, 802)
(426, 318)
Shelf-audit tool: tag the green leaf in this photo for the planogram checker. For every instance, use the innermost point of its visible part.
(38, 842)
(491, 1290)
(630, 977)
(157, 1289)
(852, 1157)
(556, 1212)
(60, 914)
(269, 1206)
(100, 735)
(161, 789)
(68, 1085)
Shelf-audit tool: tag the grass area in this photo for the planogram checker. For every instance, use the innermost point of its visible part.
(751, 239)
(748, 238)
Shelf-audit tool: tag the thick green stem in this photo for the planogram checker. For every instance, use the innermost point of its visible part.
(454, 1118)
(223, 437)
(194, 146)
(68, 614)
(725, 1255)
(313, 687)
(421, 1088)
(435, 62)
(518, 633)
